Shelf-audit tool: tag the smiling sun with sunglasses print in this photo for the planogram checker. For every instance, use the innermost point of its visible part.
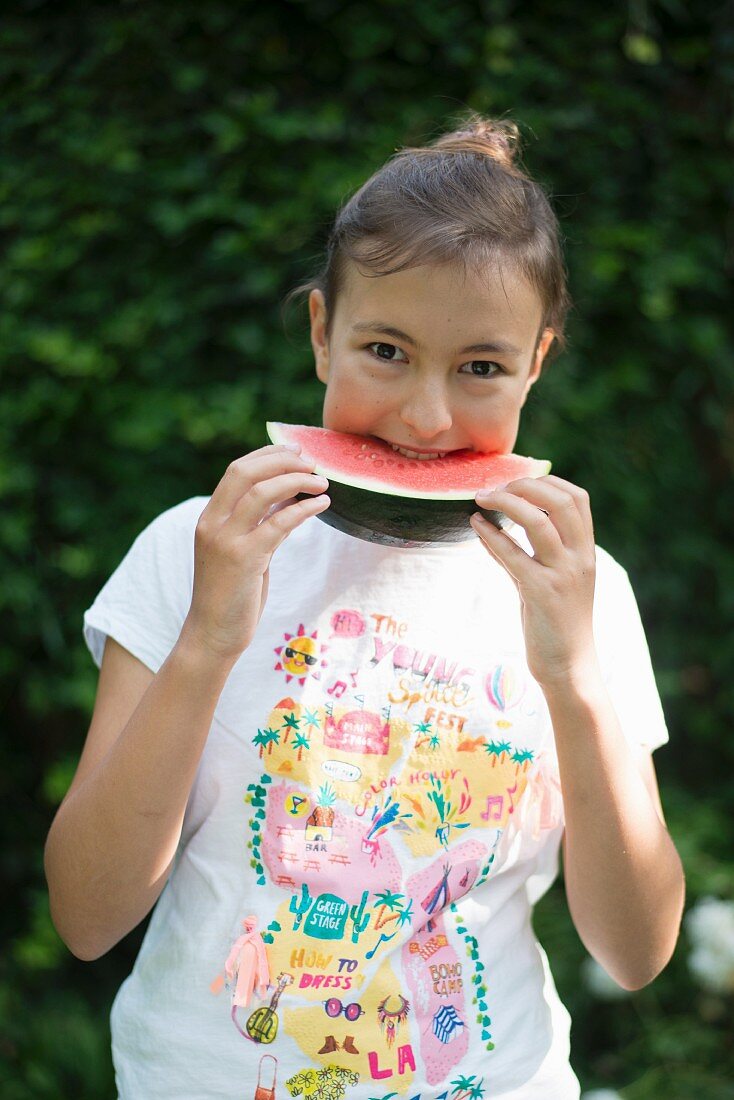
(300, 655)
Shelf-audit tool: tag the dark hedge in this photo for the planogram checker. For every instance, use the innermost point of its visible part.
(169, 172)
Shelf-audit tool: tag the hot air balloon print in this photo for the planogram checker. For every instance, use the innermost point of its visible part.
(504, 687)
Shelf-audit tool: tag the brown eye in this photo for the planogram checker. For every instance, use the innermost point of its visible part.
(485, 365)
(389, 348)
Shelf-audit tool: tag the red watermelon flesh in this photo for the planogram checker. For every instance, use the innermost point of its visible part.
(381, 496)
(370, 463)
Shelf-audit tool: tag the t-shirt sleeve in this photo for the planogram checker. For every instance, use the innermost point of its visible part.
(145, 601)
(625, 657)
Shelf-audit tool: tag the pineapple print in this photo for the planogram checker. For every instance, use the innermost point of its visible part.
(320, 824)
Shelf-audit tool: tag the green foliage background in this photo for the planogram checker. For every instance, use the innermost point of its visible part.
(169, 171)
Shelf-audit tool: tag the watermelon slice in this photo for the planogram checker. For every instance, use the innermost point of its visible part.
(381, 496)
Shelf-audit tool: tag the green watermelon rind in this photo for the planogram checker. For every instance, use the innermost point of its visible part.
(402, 521)
(280, 434)
(377, 512)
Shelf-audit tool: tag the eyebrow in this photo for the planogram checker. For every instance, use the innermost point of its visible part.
(501, 347)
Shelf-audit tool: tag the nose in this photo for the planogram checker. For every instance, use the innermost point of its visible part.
(427, 411)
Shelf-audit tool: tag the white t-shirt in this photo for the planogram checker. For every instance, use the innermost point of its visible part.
(380, 790)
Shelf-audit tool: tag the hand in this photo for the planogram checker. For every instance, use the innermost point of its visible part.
(556, 586)
(248, 516)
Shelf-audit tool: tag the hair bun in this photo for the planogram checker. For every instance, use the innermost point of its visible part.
(496, 138)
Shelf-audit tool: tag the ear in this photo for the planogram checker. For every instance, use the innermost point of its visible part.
(319, 343)
(541, 351)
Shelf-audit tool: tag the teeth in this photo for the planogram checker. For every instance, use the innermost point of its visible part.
(414, 454)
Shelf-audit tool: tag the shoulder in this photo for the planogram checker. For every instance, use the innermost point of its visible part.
(179, 517)
(613, 588)
(616, 608)
(186, 513)
(169, 535)
(607, 566)
(612, 580)
(614, 585)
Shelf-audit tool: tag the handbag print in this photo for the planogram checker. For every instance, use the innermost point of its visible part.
(261, 1091)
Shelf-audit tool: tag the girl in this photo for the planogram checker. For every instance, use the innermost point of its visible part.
(369, 756)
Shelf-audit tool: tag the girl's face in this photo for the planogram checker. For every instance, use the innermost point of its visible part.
(404, 363)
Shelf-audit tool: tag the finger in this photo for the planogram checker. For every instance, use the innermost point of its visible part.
(268, 535)
(539, 527)
(580, 495)
(247, 470)
(558, 504)
(294, 448)
(257, 503)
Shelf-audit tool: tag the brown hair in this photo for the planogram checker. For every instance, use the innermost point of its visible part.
(462, 199)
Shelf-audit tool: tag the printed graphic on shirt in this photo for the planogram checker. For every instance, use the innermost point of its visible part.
(301, 656)
(328, 1083)
(461, 1087)
(347, 623)
(387, 782)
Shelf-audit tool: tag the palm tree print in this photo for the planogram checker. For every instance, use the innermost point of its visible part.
(261, 739)
(462, 1086)
(468, 1088)
(311, 720)
(521, 756)
(493, 749)
(422, 728)
(394, 902)
(272, 737)
(387, 900)
(300, 743)
(290, 724)
(405, 916)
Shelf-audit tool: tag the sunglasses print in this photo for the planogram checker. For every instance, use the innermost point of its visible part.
(334, 1007)
(297, 653)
